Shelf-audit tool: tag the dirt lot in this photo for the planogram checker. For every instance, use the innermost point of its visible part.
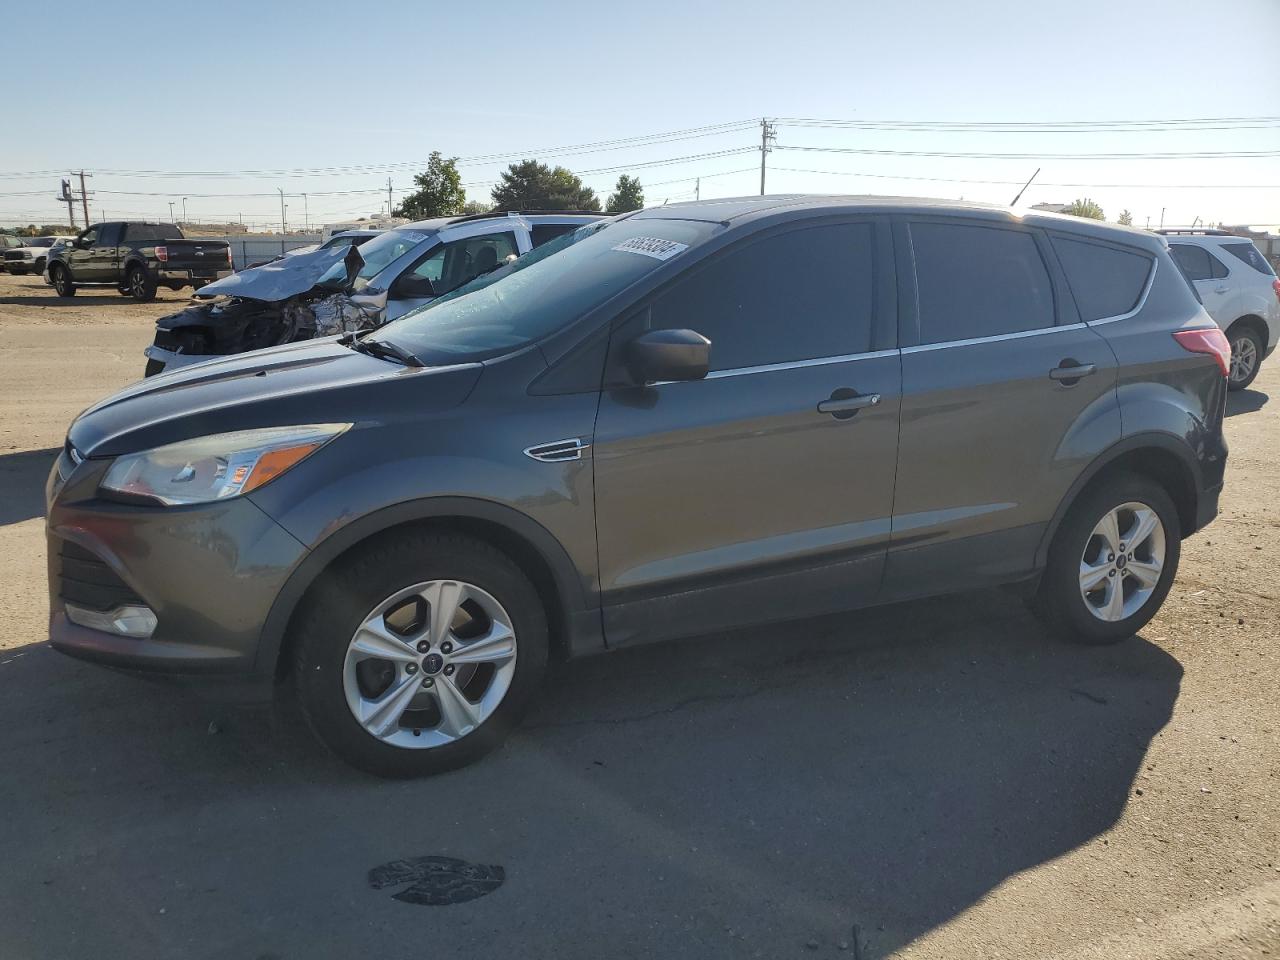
(942, 781)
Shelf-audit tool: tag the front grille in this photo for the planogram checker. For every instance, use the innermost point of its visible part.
(14, 255)
(83, 579)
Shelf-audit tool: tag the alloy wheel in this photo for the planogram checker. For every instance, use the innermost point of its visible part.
(429, 664)
(1122, 561)
(1244, 357)
(138, 284)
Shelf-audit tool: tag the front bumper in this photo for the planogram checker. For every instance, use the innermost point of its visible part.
(209, 572)
(172, 360)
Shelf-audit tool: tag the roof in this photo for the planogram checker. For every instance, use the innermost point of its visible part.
(784, 206)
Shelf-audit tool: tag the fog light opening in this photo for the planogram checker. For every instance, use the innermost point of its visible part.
(130, 620)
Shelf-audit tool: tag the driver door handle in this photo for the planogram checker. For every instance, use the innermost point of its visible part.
(847, 404)
(1069, 371)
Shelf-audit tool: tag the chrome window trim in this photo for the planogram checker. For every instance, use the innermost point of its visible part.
(1017, 335)
(1142, 300)
(794, 364)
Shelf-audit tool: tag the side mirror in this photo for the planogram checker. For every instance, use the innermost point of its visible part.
(662, 355)
(80, 243)
(409, 286)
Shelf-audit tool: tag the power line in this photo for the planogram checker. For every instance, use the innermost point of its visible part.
(1043, 126)
(1155, 186)
(1166, 155)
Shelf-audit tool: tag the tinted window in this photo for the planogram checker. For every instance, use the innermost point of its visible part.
(166, 231)
(542, 232)
(1193, 260)
(978, 282)
(794, 296)
(1105, 281)
(140, 232)
(109, 234)
(1250, 255)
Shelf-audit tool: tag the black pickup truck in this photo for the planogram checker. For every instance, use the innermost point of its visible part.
(136, 258)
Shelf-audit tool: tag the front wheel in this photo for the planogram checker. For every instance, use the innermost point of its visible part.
(420, 654)
(1112, 562)
(141, 287)
(62, 284)
(1246, 356)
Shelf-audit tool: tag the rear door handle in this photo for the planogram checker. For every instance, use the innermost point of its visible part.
(1069, 371)
(841, 403)
(1222, 289)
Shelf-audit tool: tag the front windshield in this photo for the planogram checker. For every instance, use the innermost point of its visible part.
(543, 295)
(42, 241)
(377, 254)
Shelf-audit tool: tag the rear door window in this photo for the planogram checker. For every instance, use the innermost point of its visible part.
(1105, 281)
(977, 281)
(800, 295)
(1197, 262)
(1250, 255)
(109, 234)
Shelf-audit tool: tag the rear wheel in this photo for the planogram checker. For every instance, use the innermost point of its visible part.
(141, 287)
(18, 271)
(1246, 356)
(1112, 562)
(420, 654)
(61, 278)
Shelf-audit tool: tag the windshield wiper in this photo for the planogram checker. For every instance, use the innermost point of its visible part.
(382, 349)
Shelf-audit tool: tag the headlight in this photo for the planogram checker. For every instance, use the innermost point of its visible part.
(218, 466)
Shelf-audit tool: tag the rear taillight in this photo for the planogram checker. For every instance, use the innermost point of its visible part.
(1209, 340)
(162, 254)
(229, 260)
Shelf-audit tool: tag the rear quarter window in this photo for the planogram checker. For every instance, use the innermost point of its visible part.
(1105, 281)
(1248, 253)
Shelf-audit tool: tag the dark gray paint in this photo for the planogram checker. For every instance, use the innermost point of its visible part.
(716, 502)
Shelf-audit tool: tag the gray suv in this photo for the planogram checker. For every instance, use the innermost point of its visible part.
(688, 419)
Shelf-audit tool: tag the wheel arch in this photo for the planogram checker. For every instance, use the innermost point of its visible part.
(1162, 458)
(574, 624)
(1254, 323)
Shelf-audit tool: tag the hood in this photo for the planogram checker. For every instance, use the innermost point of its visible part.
(309, 382)
(278, 280)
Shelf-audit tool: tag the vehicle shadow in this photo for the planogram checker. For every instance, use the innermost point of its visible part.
(742, 795)
(22, 477)
(47, 298)
(1245, 401)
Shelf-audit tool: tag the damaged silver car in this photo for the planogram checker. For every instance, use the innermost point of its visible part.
(347, 290)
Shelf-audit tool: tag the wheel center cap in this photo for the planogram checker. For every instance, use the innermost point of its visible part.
(432, 664)
(1121, 561)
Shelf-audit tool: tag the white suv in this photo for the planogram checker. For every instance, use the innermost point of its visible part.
(1238, 288)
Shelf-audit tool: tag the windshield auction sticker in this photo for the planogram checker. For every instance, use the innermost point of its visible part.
(652, 247)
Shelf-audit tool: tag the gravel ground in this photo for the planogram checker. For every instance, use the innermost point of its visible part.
(937, 781)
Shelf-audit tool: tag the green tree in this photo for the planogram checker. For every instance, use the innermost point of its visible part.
(473, 207)
(439, 192)
(530, 185)
(1086, 208)
(627, 195)
(1126, 219)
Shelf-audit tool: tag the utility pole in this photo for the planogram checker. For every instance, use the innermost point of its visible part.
(1162, 209)
(282, 223)
(171, 211)
(389, 206)
(767, 136)
(306, 214)
(84, 199)
(697, 188)
(184, 210)
(65, 197)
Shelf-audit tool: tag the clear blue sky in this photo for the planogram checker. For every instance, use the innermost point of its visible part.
(229, 85)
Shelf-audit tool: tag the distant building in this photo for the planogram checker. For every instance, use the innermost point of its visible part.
(1050, 207)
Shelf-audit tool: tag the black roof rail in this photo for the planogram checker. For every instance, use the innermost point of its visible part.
(1193, 231)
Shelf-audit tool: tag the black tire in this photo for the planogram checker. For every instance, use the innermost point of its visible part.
(1059, 601)
(1237, 336)
(142, 287)
(39, 266)
(18, 271)
(62, 283)
(355, 587)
